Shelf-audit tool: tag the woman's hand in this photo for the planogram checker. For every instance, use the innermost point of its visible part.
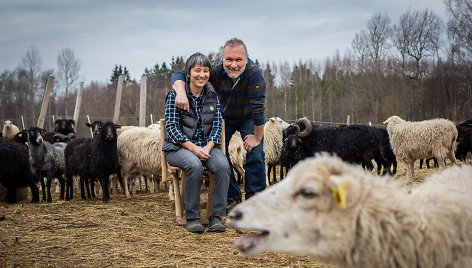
(201, 153)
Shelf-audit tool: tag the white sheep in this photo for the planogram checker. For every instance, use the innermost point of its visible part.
(139, 153)
(273, 142)
(339, 213)
(237, 153)
(422, 140)
(9, 129)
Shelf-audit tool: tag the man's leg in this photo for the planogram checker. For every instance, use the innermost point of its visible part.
(255, 175)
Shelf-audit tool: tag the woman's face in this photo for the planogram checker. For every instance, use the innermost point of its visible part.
(199, 75)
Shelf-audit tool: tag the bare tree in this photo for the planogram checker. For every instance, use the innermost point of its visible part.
(372, 44)
(417, 36)
(460, 25)
(68, 69)
(32, 63)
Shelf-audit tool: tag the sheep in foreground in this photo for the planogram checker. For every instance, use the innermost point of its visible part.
(341, 214)
(94, 159)
(139, 154)
(15, 170)
(46, 160)
(273, 142)
(9, 129)
(422, 140)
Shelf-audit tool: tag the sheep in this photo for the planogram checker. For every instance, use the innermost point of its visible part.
(9, 129)
(94, 159)
(237, 155)
(62, 126)
(464, 140)
(94, 126)
(422, 140)
(46, 160)
(15, 170)
(272, 146)
(387, 152)
(355, 143)
(138, 151)
(341, 214)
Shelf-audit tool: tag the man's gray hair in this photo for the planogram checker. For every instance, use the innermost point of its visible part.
(236, 42)
(196, 59)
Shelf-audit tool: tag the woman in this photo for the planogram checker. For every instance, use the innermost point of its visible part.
(192, 141)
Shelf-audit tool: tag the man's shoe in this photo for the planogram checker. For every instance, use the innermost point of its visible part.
(231, 203)
(195, 226)
(216, 225)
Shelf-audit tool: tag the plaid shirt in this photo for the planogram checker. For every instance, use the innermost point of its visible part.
(176, 136)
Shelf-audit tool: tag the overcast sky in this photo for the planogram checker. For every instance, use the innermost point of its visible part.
(139, 34)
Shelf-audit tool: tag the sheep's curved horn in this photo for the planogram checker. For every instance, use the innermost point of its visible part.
(308, 127)
(70, 135)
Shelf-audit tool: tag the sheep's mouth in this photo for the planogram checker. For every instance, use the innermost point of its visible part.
(248, 244)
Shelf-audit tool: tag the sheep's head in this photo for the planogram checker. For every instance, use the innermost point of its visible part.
(279, 123)
(64, 126)
(95, 127)
(310, 212)
(394, 119)
(107, 131)
(7, 124)
(35, 135)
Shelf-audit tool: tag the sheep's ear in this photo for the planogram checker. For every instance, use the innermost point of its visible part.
(57, 122)
(385, 122)
(118, 126)
(71, 123)
(20, 135)
(43, 131)
(272, 119)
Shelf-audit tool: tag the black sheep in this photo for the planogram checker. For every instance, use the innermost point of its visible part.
(76, 164)
(355, 143)
(464, 140)
(15, 170)
(62, 126)
(94, 159)
(387, 153)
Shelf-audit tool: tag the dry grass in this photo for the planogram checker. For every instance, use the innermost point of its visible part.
(137, 233)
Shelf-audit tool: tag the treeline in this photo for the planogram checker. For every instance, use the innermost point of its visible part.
(410, 69)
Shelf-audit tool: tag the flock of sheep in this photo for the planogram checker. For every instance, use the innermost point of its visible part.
(368, 211)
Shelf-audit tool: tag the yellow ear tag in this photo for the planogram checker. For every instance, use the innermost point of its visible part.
(339, 195)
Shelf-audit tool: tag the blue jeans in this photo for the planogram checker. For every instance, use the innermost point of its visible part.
(254, 169)
(193, 167)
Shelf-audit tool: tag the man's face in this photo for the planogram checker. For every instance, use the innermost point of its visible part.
(234, 60)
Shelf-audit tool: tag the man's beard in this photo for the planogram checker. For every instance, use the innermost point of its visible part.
(238, 74)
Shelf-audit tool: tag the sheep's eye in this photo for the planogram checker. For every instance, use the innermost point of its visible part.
(306, 193)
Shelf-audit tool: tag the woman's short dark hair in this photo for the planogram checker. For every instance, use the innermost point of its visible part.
(196, 59)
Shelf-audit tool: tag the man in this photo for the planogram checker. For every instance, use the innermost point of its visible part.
(240, 86)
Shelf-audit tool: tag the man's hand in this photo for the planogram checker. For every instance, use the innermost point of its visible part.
(181, 100)
(251, 141)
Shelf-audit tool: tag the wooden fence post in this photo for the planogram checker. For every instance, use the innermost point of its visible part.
(78, 101)
(45, 103)
(142, 102)
(119, 89)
